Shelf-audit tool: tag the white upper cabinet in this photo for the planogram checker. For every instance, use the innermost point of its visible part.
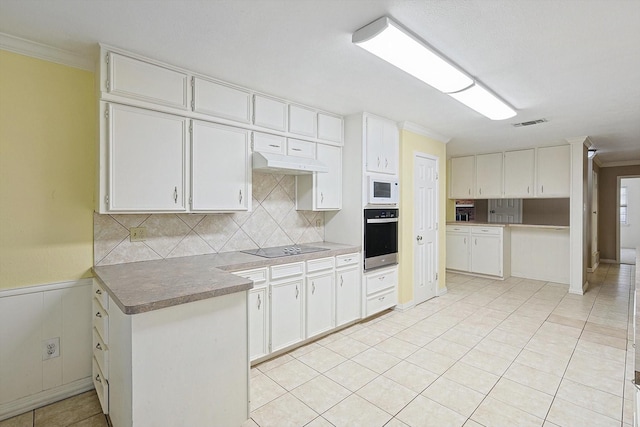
(382, 145)
(220, 168)
(221, 100)
(462, 177)
(267, 143)
(519, 171)
(489, 176)
(554, 171)
(302, 121)
(147, 154)
(137, 79)
(269, 113)
(329, 127)
(299, 148)
(322, 191)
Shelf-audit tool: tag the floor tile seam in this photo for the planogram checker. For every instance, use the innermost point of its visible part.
(596, 389)
(580, 406)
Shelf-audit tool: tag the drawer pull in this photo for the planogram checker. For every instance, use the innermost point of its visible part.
(381, 298)
(347, 259)
(98, 314)
(98, 378)
(98, 291)
(382, 277)
(296, 149)
(274, 146)
(98, 346)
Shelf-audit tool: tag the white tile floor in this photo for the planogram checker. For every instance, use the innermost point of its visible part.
(488, 353)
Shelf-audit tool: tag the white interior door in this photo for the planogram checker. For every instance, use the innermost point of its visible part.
(424, 224)
(594, 221)
(505, 211)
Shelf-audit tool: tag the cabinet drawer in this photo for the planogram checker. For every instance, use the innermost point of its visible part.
(221, 100)
(287, 270)
(329, 127)
(259, 275)
(299, 148)
(381, 301)
(102, 387)
(267, 143)
(101, 353)
(495, 231)
(380, 281)
(458, 229)
(302, 121)
(348, 259)
(101, 321)
(320, 264)
(100, 294)
(145, 81)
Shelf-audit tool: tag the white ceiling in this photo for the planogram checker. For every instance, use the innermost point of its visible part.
(574, 62)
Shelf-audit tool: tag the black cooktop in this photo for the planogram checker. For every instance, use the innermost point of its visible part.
(280, 251)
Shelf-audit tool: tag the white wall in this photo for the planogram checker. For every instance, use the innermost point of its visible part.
(630, 234)
(29, 316)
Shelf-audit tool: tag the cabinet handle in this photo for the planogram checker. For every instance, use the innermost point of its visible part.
(542, 188)
(386, 163)
(465, 240)
(98, 346)
(98, 314)
(321, 197)
(240, 197)
(381, 277)
(469, 191)
(527, 189)
(476, 242)
(259, 302)
(313, 288)
(175, 195)
(341, 280)
(98, 378)
(480, 190)
(274, 146)
(349, 259)
(296, 149)
(381, 298)
(297, 292)
(99, 292)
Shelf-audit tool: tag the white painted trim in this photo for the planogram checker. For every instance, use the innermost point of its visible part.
(441, 291)
(48, 53)
(585, 285)
(618, 164)
(597, 160)
(580, 140)
(43, 288)
(404, 307)
(43, 398)
(594, 268)
(420, 130)
(608, 261)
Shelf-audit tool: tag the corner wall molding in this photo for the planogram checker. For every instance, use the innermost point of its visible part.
(48, 53)
(420, 130)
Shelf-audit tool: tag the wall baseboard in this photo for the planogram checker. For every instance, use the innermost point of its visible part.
(43, 398)
(608, 261)
(441, 291)
(404, 307)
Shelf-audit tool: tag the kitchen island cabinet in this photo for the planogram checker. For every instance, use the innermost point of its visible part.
(479, 249)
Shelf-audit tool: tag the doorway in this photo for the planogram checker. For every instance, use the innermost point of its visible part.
(628, 218)
(425, 218)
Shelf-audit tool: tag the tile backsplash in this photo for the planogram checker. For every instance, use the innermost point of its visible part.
(273, 221)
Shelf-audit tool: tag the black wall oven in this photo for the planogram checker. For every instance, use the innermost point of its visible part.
(380, 238)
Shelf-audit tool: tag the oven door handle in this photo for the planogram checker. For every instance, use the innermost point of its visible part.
(381, 220)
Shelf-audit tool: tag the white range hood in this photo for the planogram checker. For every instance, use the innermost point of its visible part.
(286, 165)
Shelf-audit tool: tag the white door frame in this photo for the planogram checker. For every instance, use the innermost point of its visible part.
(416, 155)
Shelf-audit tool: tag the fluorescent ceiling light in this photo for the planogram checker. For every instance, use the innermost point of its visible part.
(389, 41)
(484, 102)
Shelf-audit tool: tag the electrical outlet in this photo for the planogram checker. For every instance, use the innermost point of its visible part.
(318, 223)
(51, 348)
(138, 234)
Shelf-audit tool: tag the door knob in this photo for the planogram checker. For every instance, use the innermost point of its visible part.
(419, 238)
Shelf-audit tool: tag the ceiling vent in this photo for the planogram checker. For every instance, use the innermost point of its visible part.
(529, 123)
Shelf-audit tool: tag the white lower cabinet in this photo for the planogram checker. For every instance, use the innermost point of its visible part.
(381, 290)
(483, 250)
(100, 366)
(286, 312)
(348, 294)
(319, 303)
(258, 305)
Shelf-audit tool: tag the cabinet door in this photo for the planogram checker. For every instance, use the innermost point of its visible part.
(220, 100)
(147, 158)
(518, 173)
(554, 171)
(374, 141)
(302, 121)
(390, 147)
(489, 176)
(258, 340)
(347, 295)
(329, 185)
(329, 128)
(486, 255)
(462, 175)
(458, 251)
(219, 167)
(269, 113)
(286, 314)
(319, 307)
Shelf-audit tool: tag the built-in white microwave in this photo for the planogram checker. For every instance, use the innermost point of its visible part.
(383, 191)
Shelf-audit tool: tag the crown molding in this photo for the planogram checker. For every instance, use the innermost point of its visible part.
(48, 53)
(597, 160)
(580, 140)
(622, 163)
(420, 130)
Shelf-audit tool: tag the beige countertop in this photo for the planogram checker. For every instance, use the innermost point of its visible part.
(495, 224)
(139, 287)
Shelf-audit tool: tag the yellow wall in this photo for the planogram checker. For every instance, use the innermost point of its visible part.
(47, 164)
(409, 144)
